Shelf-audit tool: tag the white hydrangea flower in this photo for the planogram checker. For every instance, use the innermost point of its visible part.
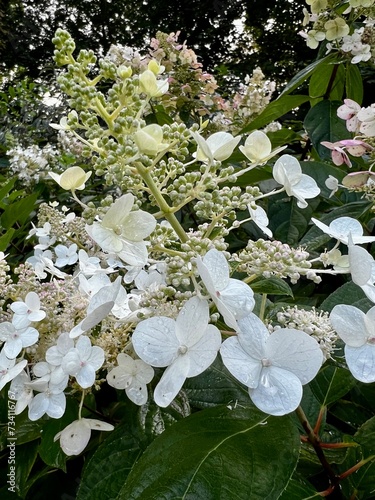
(131, 375)
(258, 147)
(273, 366)
(362, 268)
(233, 298)
(51, 400)
(122, 231)
(260, 218)
(9, 369)
(357, 330)
(82, 361)
(219, 146)
(21, 391)
(341, 227)
(73, 178)
(287, 172)
(75, 437)
(28, 311)
(66, 256)
(42, 263)
(16, 339)
(187, 346)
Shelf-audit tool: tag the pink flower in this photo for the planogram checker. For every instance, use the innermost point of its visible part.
(348, 111)
(353, 146)
(339, 156)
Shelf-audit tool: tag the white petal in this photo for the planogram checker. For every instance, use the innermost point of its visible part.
(145, 373)
(278, 393)
(217, 267)
(155, 341)
(6, 330)
(192, 321)
(57, 404)
(71, 362)
(257, 146)
(345, 225)
(106, 238)
(350, 325)
(86, 376)
(252, 336)
(242, 366)
(12, 372)
(204, 352)
(361, 263)
(75, 437)
(96, 358)
(138, 225)
(137, 393)
(296, 352)
(118, 212)
(29, 336)
(238, 297)
(287, 169)
(32, 301)
(38, 406)
(20, 321)
(118, 378)
(171, 382)
(133, 252)
(98, 425)
(13, 347)
(84, 347)
(361, 362)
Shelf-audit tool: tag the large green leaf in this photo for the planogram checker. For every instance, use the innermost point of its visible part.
(299, 490)
(305, 73)
(323, 124)
(19, 211)
(217, 454)
(354, 84)
(271, 286)
(349, 293)
(328, 82)
(275, 110)
(331, 383)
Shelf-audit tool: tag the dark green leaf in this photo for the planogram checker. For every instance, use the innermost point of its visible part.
(323, 124)
(330, 78)
(298, 490)
(19, 211)
(26, 455)
(275, 110)
(331, 383)
(6, 238)
(349, 293)
(217, 454)
(354, 84)
(271, 286)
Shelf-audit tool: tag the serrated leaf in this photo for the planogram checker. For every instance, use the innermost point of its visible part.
(217, 454)
(331, 384)
(323, 124)
(271, 286)
(275, 110)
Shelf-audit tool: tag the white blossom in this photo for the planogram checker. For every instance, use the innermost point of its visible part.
(28, 311)
(16, 339)
(75, 437)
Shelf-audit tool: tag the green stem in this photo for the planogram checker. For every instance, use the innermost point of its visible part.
(263, 306)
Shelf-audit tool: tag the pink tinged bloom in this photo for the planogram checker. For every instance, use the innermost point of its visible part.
(16, 340)
(341, 228)
(187, 346)
(28, 311)
(9, 369)
(75, 437)
(367, 118)
(358, 179)
(233, 298)
(131, 375)
(348, 111)
(339, 156)
(287, 171)
(357, 330)
(83, 361)
(273, 366)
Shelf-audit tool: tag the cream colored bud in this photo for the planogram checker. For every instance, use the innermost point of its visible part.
(73, 178)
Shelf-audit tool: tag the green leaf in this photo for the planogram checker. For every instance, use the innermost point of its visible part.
(5, 189)
(305, 73)
(275, 110)
(215, 386)
(108, 468)
(331, 383)
(354, 84)
(323, 124)
(349, 293)
(299, 490)
(6, 238)
(283, 136)
(19, 211)
(26, 455)
(320, 172)
(271, 286)
(217, 454)
(26, 430)
(321, 81)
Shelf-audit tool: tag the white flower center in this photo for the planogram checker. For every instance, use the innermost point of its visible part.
(182, 349)
(266, 362)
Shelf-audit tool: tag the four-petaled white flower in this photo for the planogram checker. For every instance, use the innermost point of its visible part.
(341, 228)
(122, 231)
(82, 361)
(66, 256)
(51, 401)
(258, 147)
(273, 366)
(187, 346)
(73, 178)
(233, 298)
(131, 375)
(357, 330)
(27, 312)
(15, 340)
(75, 437)
(287, 172)
(219, 146)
